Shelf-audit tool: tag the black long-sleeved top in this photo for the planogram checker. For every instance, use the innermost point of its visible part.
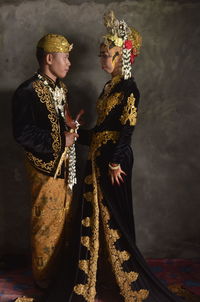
(117, 112)
(37, 127)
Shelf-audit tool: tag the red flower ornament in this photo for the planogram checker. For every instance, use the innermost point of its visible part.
(128, 44)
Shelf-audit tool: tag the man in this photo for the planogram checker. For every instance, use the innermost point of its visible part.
(39, 126)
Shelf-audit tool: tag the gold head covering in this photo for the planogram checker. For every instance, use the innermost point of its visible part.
(121, 35)
(119, 31)
(54, 43)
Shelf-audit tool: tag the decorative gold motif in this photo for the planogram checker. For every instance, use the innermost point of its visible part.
(108, 39)
(85, 241)
(53, 199)
(110, 85)
(54, 43)
(24, 299)
(106, 104)
(117, 257)
(83, 265)
(112, 25)
(88, 179)
(88, 290)
(183, 292)
(129, 112)
(101, 138)
(86, 222)
(88, 196)
(46, 98)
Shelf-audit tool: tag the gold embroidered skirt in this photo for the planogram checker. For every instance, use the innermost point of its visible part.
(51, 209)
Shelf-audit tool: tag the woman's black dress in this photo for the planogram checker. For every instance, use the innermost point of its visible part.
(108, 262)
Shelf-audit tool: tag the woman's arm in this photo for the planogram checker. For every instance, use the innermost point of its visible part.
(128, 120)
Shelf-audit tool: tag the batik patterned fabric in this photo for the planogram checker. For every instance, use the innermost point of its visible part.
(51, 205)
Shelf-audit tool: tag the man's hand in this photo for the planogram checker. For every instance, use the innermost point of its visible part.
(70, 138)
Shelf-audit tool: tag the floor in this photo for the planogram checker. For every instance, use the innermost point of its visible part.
(16, 279)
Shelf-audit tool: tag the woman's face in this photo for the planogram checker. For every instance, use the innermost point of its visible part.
(110, 59)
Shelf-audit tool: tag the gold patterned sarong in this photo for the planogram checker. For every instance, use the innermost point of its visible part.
(51, 209)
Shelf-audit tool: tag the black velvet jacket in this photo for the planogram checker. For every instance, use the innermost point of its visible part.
(37, 127)
(117, 111)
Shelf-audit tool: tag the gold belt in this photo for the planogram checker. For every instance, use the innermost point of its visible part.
(101, 138)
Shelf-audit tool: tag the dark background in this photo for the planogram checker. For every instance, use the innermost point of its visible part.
(166, 142)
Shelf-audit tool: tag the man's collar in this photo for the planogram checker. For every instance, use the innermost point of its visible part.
(50, 81)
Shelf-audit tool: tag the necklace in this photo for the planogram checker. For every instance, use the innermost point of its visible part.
(58, 96)
(59, 101)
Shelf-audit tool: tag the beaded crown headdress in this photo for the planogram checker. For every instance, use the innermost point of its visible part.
(54, 43)
(121, 35)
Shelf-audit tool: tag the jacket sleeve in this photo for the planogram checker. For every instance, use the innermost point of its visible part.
(25, 130)
(128, 120)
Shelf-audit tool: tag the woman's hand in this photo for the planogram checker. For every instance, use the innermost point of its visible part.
(116, 173)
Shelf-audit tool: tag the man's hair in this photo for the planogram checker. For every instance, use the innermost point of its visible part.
(40, 55)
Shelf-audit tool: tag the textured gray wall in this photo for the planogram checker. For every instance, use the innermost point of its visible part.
(166, 141)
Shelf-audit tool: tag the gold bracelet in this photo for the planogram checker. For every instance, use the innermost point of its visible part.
(114, 167)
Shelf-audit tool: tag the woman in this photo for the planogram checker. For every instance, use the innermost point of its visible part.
(110, 265)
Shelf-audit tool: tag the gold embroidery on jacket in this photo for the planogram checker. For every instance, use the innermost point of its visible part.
(106, 104)
(129, 112)
(101, 138)
(46, 98)
(110, 85)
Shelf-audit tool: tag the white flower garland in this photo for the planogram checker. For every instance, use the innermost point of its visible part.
(126, 53)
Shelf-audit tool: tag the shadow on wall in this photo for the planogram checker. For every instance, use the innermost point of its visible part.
(82, 94)
(15, 202)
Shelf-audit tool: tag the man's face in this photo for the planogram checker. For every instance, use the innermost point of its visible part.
(59, 65)
(110, 59)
